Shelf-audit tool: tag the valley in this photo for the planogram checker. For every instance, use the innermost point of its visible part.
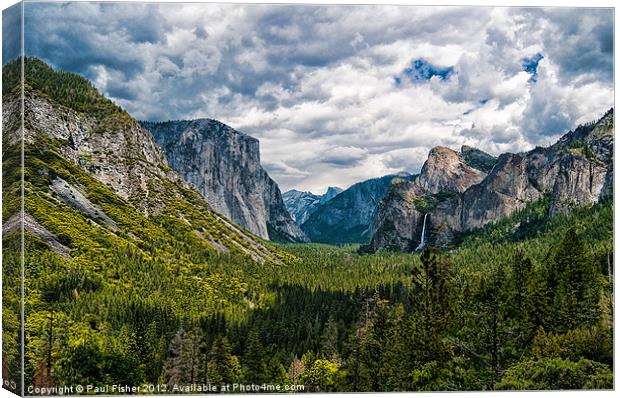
(163, 253)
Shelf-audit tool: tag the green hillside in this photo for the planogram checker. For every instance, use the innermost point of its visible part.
(65, 88)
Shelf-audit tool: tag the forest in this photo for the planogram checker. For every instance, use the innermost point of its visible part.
(501, 311)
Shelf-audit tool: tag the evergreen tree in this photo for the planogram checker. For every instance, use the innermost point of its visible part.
(398, 353)
(223, 367)
(329, 341)
(574, 284)
(525, 301)
(432, 295)
(535, 307)
(254, 360)
(492, 318)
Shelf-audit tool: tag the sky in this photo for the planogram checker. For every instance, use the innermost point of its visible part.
(340, 94)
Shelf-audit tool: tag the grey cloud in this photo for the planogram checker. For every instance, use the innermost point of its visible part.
(75, 36)
(343, 156)
(498, 134)
(279, 67)
(580, 40)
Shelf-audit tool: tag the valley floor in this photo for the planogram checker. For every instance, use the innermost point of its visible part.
(523, 304)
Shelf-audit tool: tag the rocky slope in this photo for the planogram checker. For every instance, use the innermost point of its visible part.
(87, 158)
(459, 196)
(347, 217)
(301, 205)
(224, 166)
(478, 159)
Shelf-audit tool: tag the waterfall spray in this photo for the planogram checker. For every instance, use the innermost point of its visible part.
(422, 240)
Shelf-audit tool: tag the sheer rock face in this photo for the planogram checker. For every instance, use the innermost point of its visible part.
(331, 193)
(398, 223)
(400, 216)
(224, 165)
(576, 171)
(446, 170)
(122, 155)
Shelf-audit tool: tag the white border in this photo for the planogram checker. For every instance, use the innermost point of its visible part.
(484, 3)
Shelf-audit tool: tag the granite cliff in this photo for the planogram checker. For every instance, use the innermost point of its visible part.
(87, 160)
(461, 193)
(224, 166)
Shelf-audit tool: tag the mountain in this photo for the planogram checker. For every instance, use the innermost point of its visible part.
(459, 196)
(224, 166)
(330, 194)
(86, 159)
(116, 248)
(346, 218)
(301, 205)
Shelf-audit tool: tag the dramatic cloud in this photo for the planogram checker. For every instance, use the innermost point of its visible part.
(337, 94)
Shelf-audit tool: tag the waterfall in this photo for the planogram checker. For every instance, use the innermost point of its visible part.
(422, 242)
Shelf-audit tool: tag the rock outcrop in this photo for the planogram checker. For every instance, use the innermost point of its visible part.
(445, 170)
(459, 196)
(444, 177)
(224, 166)
(478, 159)
(330, 194)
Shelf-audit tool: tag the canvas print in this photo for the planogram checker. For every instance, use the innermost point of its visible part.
(243, 198)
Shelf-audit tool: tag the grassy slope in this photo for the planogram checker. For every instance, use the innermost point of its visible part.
(159, 265)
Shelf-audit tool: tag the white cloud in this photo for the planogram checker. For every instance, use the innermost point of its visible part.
(317, 84)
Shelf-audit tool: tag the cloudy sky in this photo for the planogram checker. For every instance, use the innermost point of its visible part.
(338, 94)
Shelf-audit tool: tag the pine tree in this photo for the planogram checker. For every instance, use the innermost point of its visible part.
(254, 365)
(432, 295)
(535, 303)
(493, 318)
(223, 367)
(182, 364)
(575, 285)
(523, 298)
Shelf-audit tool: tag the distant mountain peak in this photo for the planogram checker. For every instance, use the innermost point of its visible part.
(330, 194)
(346, 217)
